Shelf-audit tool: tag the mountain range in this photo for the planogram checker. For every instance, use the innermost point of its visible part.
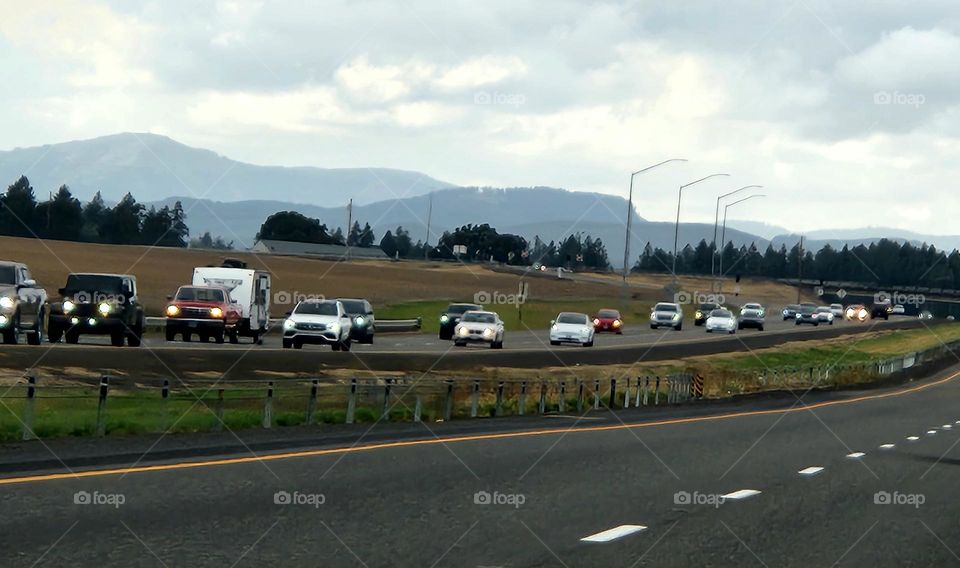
(225, 197)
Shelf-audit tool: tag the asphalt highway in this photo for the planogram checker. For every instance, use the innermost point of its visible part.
(841, 479)
(412, 352)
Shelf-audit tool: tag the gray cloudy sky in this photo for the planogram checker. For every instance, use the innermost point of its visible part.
(848, 112)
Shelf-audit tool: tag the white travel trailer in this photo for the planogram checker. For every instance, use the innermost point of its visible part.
(248, 287)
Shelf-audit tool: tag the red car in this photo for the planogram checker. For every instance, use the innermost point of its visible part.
(207, 311)
(608, 320)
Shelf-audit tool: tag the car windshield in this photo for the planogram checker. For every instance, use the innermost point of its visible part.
(199, 294)
(460, 308)
(823, 310)
(721, 314)
(807, 309)
(572, 318)
(793, 307)
(752, 307)
(94, 282)
(708, 307)
(316, 308)
(836, 306)
(479, 318)
(8, 275)
(354, 306)
(607, 314)
(665, 308)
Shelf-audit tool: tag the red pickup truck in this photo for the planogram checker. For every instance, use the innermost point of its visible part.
(204, 310)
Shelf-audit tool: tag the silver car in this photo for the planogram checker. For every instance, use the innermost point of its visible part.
(666, 314)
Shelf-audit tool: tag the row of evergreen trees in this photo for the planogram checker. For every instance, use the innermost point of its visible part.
(63, 217)
(885, 262)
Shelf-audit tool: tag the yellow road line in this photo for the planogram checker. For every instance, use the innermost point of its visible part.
(469, 438)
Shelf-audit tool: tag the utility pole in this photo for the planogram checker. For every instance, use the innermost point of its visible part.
(799, 268)
(426, 245)
(349, 224)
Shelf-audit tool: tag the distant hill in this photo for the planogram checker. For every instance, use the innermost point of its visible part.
(155, 167)
(837, 238)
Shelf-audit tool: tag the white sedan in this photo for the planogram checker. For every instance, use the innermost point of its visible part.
(571, 327)
(479, 327)
(721, 320)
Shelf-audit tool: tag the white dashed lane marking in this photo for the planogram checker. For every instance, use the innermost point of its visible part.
(614, 533)
(741, 494)
(856, 455)
(931, 432)
(888, 446)
(913, 438)
(810, 471)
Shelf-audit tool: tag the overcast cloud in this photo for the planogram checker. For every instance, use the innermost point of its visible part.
(846, 112)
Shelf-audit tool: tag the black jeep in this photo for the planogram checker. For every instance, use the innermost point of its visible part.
(98, 304)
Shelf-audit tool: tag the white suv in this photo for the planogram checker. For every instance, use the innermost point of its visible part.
(318, 322)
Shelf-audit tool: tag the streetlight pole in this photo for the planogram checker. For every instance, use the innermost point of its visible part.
(723, 238)
(626, 244)
(716, 222)
(676, 227)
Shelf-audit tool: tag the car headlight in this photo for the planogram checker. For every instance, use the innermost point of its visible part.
(289, 324)
(676, 317)
(617, 323)
(359, 321)
(699, 314)
(216, 312)
(68, 306)
(799, 315)
(463, 331)
(596, 321)
(6, 302)
(553, 327)
(104, 308)
(334, 327)
(488, 332)
(760, 313)
(653, 316)
(444, 318)
(172, 310)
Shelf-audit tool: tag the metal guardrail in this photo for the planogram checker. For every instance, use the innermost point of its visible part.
(383, 326)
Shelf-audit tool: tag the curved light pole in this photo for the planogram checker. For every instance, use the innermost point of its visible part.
(716, 221)
(676, 227)
(723, 238)
(626, 244)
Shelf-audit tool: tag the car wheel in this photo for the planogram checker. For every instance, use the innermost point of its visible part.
(368, 340)
(760, 328)
(619, 333)
(459, 343)
(335, 346)
(653, 326)
(11, 336)
(552, 342)
(816, 324)
(345, 346)
(35, 337)
(218, 337)
(297, 344)
(287, 344)
(73, 337)
(54, 334)
(588, 344)
(116, 339)
(732, 331)
(797, 322)
(234, 337)
(170, 335)
(679, 327)
(134, 339)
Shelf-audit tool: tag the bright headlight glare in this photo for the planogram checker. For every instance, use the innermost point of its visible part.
(617, 323)
(676, 316)
(463, 331)
(596, 321)
(68, 306)
(444, 318)
(358, 320)
(6, 302)
(488, 332)
(104, 308)
(699, 314)
(216, 312)
(335, 327)
(3, 320)
(553, 327)
(172, 310)
(289, 324)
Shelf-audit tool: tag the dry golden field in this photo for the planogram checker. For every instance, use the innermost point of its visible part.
(160, 271)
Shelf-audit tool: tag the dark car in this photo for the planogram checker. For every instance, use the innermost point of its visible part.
(451, 316)
(98, 304)
(790, 312)
(364, 322)
(703, 312)
(23, 304)
(881, 309)
(807, 313)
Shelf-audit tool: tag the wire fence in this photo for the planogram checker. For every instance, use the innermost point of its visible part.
(115, 406)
